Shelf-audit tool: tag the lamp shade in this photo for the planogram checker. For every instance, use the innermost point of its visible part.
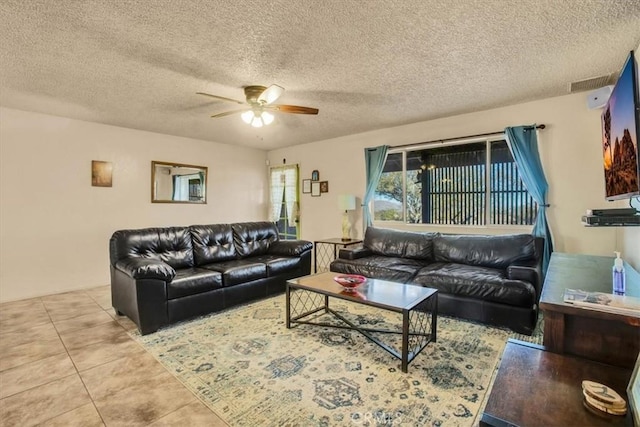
(347, 202)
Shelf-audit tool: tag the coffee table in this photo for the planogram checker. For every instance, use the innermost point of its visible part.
(309, 295)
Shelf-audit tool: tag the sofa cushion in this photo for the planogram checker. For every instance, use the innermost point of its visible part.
(238, 271)
(171, 245)
(278, 264)
(212, 243)
(254, 238)
(395, 243)
(488, 251)
(190, 281)
(483, 283)
(379, 267)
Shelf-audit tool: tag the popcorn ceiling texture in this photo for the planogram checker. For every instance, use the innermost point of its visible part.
(366, 64)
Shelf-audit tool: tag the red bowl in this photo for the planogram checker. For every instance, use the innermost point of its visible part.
(350, 281)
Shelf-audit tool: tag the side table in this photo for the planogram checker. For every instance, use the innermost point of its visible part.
(326, 250)
(535, 388)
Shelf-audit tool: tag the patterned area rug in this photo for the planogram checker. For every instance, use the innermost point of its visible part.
(252, 371)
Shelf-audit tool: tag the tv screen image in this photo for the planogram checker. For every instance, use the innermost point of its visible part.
(620, 136)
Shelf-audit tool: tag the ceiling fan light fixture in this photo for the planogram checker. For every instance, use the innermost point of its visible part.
(267, 118)
(257, 122)
(247, 116)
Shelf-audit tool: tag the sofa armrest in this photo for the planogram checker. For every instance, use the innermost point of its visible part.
(355, 253)
(290, 247)
(529, 271)
(144, 268)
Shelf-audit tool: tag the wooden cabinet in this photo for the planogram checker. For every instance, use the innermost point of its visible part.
(568, 329)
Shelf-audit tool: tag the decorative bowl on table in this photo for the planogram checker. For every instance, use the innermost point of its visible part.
(350, 281)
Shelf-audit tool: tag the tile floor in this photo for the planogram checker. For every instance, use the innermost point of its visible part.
(67, 360)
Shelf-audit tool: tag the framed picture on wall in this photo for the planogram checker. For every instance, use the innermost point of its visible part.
(101, 173)
(306, 186)
(315, 189)
(315, 176)
(324, 186)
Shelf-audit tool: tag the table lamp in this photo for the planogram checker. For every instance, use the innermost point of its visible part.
(346, 202)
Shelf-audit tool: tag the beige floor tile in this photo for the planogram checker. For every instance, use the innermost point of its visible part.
(99, 291)
(46, 331)
(101, 295)
(83, 337)
(194, 414)
(72, 297)
(30, 352)
(118, 346)
(104, 302)
(63, 310)
(83, 322)
(145, 402)
(126, 323)
(42, 403)
(109, 378)
(20, 315)
(84, 416)
(30, 375)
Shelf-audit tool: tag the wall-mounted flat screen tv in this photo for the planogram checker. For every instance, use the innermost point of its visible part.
(620, 130)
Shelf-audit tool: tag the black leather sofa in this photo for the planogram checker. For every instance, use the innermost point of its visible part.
(490, 279)
(163, 275)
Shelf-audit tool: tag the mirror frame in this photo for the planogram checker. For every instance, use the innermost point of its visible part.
(204, 169)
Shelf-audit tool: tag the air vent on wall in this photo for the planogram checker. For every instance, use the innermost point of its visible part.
(591, 84)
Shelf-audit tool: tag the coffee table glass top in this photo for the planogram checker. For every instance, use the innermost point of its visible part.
(376, 292)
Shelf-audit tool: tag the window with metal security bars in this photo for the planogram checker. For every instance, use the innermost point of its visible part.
(473, 183)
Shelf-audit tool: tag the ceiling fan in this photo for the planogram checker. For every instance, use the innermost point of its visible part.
(259, 105)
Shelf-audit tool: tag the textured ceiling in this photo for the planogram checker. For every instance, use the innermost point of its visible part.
(366, 64)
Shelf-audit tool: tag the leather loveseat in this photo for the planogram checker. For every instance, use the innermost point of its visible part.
(491, 279)
(163, 275)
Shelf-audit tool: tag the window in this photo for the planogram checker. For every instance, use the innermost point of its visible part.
(284, 200)
(473, 183)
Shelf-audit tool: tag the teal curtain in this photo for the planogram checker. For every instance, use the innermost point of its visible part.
(374, 159)
(523, 143)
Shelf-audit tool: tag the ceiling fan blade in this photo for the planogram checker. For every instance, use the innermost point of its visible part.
(228, 113)
(221, 97)
(270, 94)
(294, 109)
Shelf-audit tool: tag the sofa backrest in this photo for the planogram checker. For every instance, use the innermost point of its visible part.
(254, 238)
(397, 243)
(495, 251)
(212, 243)
(171, 245)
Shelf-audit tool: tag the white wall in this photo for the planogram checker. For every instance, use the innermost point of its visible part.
(570, 151)
(55, 227)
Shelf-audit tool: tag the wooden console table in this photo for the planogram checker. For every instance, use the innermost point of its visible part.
(568, 329)
(534, 387)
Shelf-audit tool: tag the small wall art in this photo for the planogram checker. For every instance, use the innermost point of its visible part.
(315, 189)
(324, 186)
(306, 186)
(315, 176)
(101, 173)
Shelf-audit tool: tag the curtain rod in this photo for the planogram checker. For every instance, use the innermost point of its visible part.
(541, 126)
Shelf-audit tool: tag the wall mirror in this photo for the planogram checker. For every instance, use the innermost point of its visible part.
(178, 183)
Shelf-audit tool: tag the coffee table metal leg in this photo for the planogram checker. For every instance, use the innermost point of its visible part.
(405, 340)
(326, 303)
(434, 317)
(288, 309)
